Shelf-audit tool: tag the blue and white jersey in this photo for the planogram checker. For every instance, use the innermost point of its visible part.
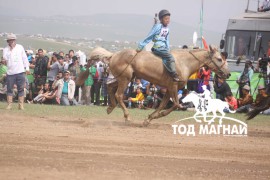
(159, 35)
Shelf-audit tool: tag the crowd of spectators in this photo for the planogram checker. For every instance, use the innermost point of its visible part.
(52, 81)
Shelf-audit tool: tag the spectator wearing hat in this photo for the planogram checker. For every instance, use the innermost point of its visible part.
(40, 70)
(258, 101)
(17, 64)
(246, 100)
(66, 90)
(245, 77)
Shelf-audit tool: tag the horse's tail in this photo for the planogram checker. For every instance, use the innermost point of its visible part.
(82, 77)
(100, 53)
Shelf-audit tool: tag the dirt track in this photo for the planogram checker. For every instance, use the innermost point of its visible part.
(55, 148)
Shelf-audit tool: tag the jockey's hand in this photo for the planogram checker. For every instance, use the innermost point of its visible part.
(138, 50)
(27, 72)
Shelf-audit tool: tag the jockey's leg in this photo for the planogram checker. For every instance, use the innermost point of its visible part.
(122, 84)
(112, 88)
(169, 61)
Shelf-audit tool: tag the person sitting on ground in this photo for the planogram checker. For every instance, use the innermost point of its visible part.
(40, 98)
(138, 100)
(232, 102)
(66, 90)
(258, 101)
(158, 98)
(160, 36)
(221, 88)
(151, 90)
(246, 100)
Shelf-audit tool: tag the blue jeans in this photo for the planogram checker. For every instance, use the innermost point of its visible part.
(19, 80)
(167, 59)
(266, 112)
(66, 102)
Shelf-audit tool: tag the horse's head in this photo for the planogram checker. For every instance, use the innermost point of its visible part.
(218, 64)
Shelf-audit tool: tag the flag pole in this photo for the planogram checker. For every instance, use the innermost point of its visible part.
(201, 24)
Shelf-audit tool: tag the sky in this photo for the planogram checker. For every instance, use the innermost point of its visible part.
(216, 12)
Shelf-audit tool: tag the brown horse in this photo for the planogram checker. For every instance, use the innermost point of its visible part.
(127, 64)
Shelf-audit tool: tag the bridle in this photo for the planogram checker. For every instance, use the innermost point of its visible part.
(216, 69)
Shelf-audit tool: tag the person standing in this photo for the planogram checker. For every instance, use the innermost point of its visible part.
(40, 70)
(245, 77)
(17, 64)
(53, 69)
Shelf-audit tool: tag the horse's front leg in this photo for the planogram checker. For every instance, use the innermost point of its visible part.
(174, 95)
(155, 114)
(119, 96)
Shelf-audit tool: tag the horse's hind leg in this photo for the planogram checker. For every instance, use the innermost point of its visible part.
(173, 94)
(155, 114)
(122, 85)
(112, 88)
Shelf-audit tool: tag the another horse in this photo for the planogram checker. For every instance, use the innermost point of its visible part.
(127, 64)
(203, 106)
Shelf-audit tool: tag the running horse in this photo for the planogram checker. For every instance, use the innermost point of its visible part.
(127, 64)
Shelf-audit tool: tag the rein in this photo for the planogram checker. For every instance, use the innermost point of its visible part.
(126, 66)
(211, 61)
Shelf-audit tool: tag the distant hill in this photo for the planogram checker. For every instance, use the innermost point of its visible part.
(109, 27)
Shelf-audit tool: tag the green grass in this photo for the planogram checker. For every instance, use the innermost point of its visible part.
(99, 112)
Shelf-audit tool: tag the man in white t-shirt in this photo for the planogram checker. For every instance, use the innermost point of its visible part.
(17, 64)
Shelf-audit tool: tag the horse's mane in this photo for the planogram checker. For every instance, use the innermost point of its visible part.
(100, 53)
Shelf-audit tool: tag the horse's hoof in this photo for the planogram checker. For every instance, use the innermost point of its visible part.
(109, 110)
(127, 122)
(146, 123)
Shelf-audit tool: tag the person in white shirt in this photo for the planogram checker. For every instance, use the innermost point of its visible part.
(17, 64)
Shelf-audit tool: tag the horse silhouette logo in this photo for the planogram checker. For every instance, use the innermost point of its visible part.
(204, 104)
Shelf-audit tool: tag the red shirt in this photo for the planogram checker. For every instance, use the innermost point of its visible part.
(206, 76)
(232, 102)
(268, 52)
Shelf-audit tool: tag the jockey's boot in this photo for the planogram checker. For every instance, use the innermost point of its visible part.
(175, 77)
(9, 101)
(20, 103)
